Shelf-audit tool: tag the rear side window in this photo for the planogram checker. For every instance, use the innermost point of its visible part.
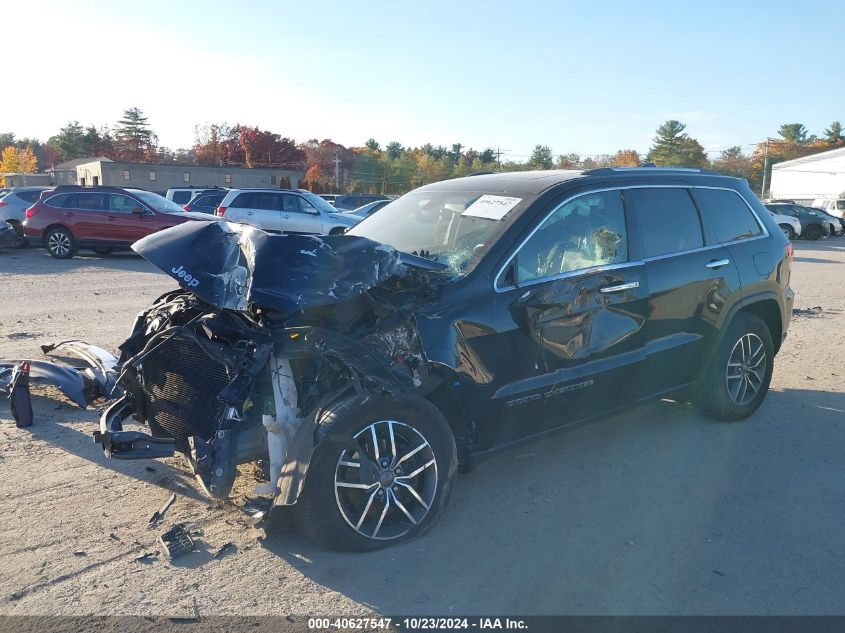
(667, 220)
(727, 213)
(265, 200)
(182, 197)
(242, 201)
(60, 201)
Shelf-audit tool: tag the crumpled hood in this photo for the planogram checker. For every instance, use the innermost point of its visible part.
(232, 265)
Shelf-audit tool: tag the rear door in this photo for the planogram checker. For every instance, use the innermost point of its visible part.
(688, 279)
(84, 215)
(261, 209)
(571, 308)
(298, 216)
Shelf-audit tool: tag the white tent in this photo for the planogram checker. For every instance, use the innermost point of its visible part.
(806, 179)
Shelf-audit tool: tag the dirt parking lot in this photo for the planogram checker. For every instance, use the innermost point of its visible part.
(659, 511)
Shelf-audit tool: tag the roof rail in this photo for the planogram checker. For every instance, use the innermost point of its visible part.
(648, 168)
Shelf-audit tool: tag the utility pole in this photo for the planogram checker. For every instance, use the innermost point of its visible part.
(765, 167)
(336, 172)
(499, 153)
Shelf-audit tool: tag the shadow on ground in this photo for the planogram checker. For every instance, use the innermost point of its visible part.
(656, 511)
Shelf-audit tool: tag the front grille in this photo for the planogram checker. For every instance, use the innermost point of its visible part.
(181, 383)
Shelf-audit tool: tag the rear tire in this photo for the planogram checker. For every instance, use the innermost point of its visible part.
(395, 492)
(59, 243)
(739, 377)
(788, 231)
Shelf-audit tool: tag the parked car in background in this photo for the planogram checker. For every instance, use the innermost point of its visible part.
(329, 197)
(100, 218)
(350, 201)
(206, 202)
(834, 206)
(836, 224)
(813, 225)
(8, 236)
(14, 202)
(183, 195)
(371, 207)
(790, 225)
(287, 211)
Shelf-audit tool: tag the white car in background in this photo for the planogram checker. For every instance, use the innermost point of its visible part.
(790, 226)
(289, 211)
(833, 206)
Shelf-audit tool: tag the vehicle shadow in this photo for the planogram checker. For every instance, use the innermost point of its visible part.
(816, 260)
(48, 426)
(656, 511)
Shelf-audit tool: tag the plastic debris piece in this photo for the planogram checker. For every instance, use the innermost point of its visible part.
(176, 541)
(158, 515)
(220, 553)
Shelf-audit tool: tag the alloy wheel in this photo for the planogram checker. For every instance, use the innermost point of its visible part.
(59, 243)
(746, 369)
(386, 486)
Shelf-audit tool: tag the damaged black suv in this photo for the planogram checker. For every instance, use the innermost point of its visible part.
(465, 317)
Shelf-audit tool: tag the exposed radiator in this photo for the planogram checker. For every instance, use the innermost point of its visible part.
(181, 383)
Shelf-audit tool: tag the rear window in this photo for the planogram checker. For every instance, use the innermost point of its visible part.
(182, 197)
(667, 219)
(727, 213)
(29, 196)
(208, 201)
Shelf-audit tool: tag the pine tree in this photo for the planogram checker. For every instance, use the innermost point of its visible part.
(134, 139)
(833, 134)
(541, 157)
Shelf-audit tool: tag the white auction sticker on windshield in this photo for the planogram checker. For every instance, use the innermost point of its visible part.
(491, 207)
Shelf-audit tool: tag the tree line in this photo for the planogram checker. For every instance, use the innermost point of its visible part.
(394, 168)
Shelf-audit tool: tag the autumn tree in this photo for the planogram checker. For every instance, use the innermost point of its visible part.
(627, 158)
(314, 179)
(673, 147)
(732, 162)
(134, 139)
(14, 161)
(541, 157)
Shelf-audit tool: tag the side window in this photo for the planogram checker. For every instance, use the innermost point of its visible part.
(265, 200)
(294, 204)
(584, 232)
(727, 213)
(122, 204)
(60, 201)
(29, 196)
(666, 219)
(92, 202)
(242, 201)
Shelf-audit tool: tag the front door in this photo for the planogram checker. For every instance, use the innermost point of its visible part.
(570, 312)
(125, 226)
(298, 216)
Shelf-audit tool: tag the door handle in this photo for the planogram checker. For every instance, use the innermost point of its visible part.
(717, 263)
(68, 215)
(619, 287)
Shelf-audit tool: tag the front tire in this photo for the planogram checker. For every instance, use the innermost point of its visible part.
(813, 232)
(741, 372)
(59, 243)
(382, 475)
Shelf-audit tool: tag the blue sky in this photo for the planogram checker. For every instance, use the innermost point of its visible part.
(584, 77)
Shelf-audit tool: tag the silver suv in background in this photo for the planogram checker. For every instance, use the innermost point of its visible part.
(13, 205)
(284, 211)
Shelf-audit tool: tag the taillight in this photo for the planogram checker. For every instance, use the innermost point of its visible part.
(3, 204)
(30, 212)
(790, 251)
(221, 211)
(187, 207)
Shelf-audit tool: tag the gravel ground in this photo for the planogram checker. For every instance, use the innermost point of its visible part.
(658, 511)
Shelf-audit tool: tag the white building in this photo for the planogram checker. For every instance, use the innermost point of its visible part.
(806, 179)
